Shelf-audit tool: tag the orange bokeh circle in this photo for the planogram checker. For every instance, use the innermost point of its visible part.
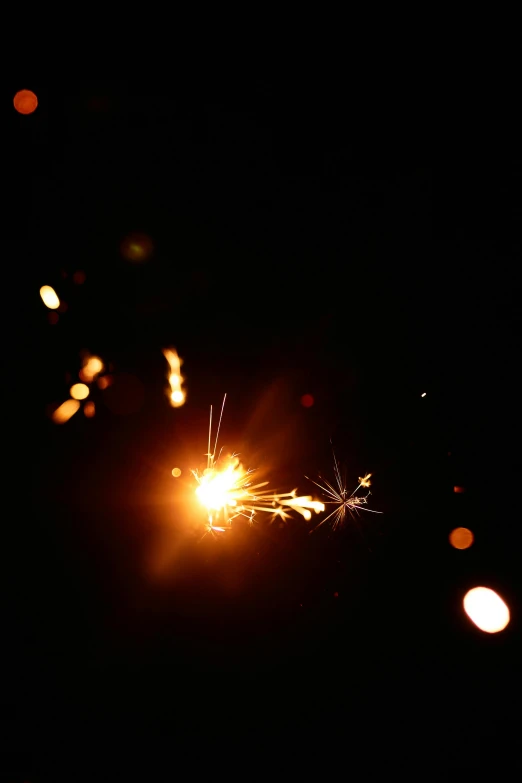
(25, 102)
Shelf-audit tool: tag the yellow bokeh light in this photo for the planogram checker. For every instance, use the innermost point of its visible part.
(176, 472)
(65, 411)
(92, 366)
(49, 297)
(486, 609)
(89, 409)
(461, 538)
(177, 395)
(79, 391)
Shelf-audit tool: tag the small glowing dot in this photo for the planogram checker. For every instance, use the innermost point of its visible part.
(89, 409)
(459, 490)
(49, 297)
(461, 538)
(307, 400)
(79, 391)
(25, 102)
(79, 277)
(176, 472)
(423, 394)
(486, 609)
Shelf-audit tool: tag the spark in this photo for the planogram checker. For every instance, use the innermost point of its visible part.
(227, 490)
(176, 394)
(337, 494)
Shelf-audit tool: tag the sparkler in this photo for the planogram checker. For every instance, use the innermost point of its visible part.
(338, 496)
(226, 489)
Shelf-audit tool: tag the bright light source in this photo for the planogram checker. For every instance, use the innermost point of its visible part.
(49, 297)
(176, 472)
(423, 394)
(486, 609)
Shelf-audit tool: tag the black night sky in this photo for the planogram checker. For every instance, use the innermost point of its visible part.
(301, 245)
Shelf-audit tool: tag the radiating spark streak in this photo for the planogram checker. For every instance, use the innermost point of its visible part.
(227, 491)
(344, 503)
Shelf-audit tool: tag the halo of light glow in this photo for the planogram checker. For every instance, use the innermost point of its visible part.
(79, 391)
(486, 609)
(49, 297)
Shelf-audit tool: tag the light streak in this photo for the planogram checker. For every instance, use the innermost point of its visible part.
(337, 495)
(227, 491)
(177, 396)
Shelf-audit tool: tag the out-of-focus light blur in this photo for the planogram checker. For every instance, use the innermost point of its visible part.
(307, 400)
(89, 409)
(92, 366)
(176, 472)
(104, 382)
(25, 102)
(79, 391)
(176, 394)
(461, 538)
(49, 297)
(79, 277)
(65, 411)
(137, 248)
(486, 609)
(423, 394)
(459, 490)
(53, 317)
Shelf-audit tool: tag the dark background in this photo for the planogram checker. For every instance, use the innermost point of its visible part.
(302, 244)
